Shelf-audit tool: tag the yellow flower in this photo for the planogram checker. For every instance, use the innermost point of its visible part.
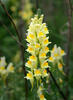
(37, 48)
(44, 74)
(37, 45)
(46, 49)
(62, 52)
(44, 37)
(45, 29)
(56, 55)
(31, 36)
(43, 55)
(4, 71)
(41, 34)
(29, 76)
(42, 97)
(29, 62)
(60, 66)
(37, 72)
(46, 41)
(32, 58)
(51, 59)
(10, 68)
(44, 65)
(30, 49)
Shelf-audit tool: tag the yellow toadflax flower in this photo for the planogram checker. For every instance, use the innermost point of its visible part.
(4, 69)
(46, 49)
(44, 73)
(56, 54)
(30, 38)
(37, 46)
(42, 97)
(60, 66)
(62, 52)
(44, 65)
(45, 42)
(30, 49)
(32, 58)
(30, 77)
(29, 64)
(32, 65)
(51, 59)
(10, 67)
(42, 55)
(37, 73)
(41, 34)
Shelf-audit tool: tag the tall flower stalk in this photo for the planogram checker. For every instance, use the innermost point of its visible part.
(38, 62)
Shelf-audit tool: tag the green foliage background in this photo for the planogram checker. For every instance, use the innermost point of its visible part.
(56, 18)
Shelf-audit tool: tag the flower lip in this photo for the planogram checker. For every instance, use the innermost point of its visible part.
(33, 58)
(29, 75)
(42, 97)
(43, 55)
(40, 34)
(37, 45)
(51, 59)
(44, 65)
(37, 72)
(29, 62)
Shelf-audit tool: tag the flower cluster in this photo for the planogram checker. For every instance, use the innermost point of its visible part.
(56, 56)
(38, 48)
(4, 69)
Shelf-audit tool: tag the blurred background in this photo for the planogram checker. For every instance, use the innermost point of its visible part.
(56, 16)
